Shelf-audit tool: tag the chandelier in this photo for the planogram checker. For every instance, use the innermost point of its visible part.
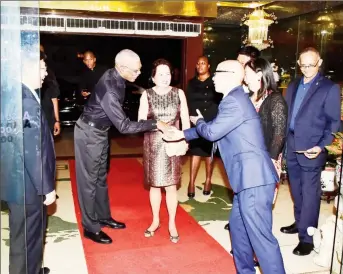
(258, 22)
(323, 27)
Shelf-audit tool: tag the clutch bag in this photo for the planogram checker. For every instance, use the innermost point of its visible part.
(178, 148)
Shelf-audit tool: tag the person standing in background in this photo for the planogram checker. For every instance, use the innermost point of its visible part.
(314, 113)
(271, 107)
(201, 95)
(246, 54)
(49, 95)
(91, 75)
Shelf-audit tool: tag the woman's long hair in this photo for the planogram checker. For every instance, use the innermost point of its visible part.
(267, 81)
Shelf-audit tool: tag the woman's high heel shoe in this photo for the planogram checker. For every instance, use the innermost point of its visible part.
(174, 239)
(191, 191)
(207, 190)
(191, 195)
(148, 233)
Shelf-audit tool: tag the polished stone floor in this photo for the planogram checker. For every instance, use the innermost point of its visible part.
(64, 252)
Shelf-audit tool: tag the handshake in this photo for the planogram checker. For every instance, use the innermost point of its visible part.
(170, 133)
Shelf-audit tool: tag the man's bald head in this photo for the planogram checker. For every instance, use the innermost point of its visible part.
(125, 57)
(235, 66)
(128, 64)
(229, 74)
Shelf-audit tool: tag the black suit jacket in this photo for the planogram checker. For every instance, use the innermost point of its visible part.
(38, 161)
(104, 106)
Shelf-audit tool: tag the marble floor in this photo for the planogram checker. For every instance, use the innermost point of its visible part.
(131, 146)
(282, 216)
(64, 251)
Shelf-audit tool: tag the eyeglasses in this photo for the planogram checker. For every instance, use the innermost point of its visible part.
(309, 66)
(228, 71)
(135, 71)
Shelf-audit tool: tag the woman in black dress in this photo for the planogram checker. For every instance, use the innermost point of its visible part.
(201, 95)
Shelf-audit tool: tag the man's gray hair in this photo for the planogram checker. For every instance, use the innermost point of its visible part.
(125, 56)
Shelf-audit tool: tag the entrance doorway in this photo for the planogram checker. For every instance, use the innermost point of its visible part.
(65, 59)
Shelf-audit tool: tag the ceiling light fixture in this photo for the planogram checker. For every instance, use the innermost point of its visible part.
(258, 22)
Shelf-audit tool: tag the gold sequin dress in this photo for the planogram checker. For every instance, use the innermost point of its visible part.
(160, 170)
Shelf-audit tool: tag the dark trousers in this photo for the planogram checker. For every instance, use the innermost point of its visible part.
(251, 231)
(91, 153)
(306, 192)
(27, 232)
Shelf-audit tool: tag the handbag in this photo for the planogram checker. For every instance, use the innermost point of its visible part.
(178, 148)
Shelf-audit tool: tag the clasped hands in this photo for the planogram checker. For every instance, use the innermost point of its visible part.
(171, 133)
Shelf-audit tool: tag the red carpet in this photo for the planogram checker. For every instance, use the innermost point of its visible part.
(129, 141)
(131, 252)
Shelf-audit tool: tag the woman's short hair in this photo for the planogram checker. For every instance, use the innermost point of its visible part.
(267, 81)
(158, 62)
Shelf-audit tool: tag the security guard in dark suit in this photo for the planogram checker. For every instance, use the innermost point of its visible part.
(27, 200)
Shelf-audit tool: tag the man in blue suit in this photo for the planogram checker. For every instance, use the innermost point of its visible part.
(314, 111)
(237, 132)
(28, 196)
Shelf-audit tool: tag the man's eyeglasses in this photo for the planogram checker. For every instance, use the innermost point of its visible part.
(228, 71)
(135, 71)
(309, 66)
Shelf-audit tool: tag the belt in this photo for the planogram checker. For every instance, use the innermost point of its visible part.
(93, 124)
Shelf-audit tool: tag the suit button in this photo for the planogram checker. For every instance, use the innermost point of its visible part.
(206, 93)
(205, 109)
(205, 101)
(206, 86)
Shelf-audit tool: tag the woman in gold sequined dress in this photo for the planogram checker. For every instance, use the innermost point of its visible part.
(167, 104)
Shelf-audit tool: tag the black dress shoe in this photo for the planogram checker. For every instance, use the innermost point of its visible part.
(191, 195)
(303, 249)
(100, 237)
(111, 223)
(207, 189)
(227, 226)
(44, 270)
(292, 229)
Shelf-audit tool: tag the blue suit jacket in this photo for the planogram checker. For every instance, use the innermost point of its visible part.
(318, 117)
(238, 132)
(39, 157)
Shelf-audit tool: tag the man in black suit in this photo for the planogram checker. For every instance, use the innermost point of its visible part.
(104, 109)
(27, 200)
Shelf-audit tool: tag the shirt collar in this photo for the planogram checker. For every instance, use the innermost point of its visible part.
(34, 93)
(309, 83)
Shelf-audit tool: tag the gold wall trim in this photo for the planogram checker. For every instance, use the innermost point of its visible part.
(206, 9)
